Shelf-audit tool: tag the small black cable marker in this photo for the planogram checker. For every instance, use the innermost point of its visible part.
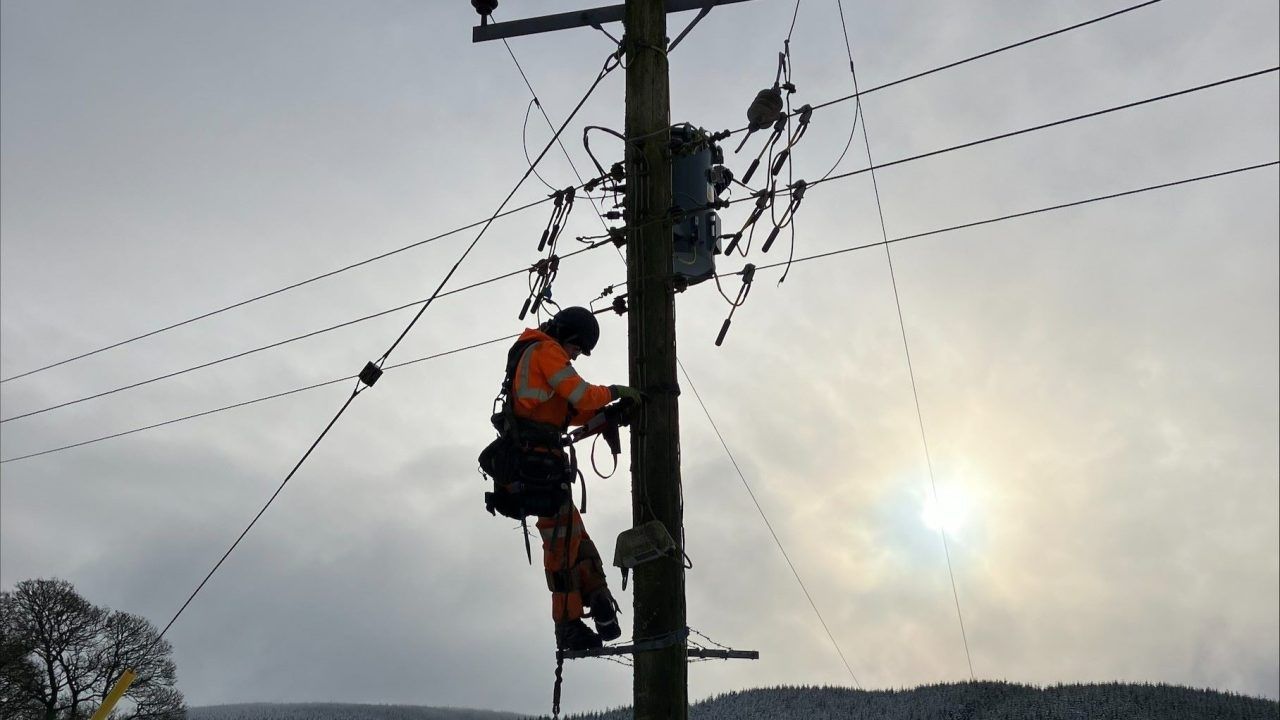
(748, 274)
(370, 374)
(797, 196)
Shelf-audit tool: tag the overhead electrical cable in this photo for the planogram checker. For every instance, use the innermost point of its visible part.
(263, 296)
(794, 572)
(819, 256)
(254, 401)
(1024, 131)
(972, 58)
(286, 341)
(550, 125)
(373, 370)
(1012, 216)
(842, 176)
(906, 345)
(1003, 136)
(539, 202)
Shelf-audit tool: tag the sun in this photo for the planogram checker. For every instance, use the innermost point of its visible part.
(948, 511)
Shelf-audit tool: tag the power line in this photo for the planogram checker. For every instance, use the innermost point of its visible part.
(1024, 131)
(286, 341)
(819, 256)
(769, 525)
(533, 204)
(278, 291)
(252, 402)
(906, 346)
(972, 58)
(547, 119)
(1012, 216)
(842, 176)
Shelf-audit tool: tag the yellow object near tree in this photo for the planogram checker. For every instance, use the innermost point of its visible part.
(113, 697)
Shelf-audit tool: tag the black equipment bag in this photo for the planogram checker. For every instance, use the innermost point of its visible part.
(526, 480)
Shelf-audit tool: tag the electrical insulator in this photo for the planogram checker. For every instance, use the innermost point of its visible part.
(695, 184)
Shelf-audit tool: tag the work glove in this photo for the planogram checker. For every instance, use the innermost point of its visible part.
(622, 391)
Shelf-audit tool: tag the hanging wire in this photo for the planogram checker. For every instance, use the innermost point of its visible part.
(524, 143)
(794, 572)
(906, 347)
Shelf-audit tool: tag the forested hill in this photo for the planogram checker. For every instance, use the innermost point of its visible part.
(976, 701)
(961, 701)
(340, 711)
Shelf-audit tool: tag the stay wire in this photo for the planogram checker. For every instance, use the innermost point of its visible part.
(906, 346)
(720, 275)
(769, 525)
(254, 521)
(609, 65)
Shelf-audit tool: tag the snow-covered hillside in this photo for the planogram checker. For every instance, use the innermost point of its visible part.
(977, 701)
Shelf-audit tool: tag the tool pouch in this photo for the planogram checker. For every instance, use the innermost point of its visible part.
(526, 481)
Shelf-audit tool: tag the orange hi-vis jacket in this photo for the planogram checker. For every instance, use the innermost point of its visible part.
(546, 386)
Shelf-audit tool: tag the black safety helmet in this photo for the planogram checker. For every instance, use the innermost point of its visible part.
(575, 325)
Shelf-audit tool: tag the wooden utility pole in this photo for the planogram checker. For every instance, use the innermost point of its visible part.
(659, 647)
(661, 687)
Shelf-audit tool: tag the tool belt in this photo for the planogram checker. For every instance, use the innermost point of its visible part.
(531, 473)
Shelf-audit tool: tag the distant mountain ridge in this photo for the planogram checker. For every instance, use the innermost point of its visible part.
(954, 701)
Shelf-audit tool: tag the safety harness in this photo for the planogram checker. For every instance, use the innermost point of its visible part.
(530, 472)
(528, 463)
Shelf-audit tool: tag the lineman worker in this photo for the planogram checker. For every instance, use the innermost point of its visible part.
(547, 391)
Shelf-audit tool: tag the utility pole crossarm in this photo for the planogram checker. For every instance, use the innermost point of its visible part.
(577, 18)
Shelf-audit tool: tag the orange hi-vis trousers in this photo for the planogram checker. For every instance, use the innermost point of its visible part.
(572, 563)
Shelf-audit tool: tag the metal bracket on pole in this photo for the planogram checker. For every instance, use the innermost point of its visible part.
(582, 18)
(676, 638)
(706, 8)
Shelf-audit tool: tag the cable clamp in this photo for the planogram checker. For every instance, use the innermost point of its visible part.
(620, 304)
(748, 273)
(370, 374)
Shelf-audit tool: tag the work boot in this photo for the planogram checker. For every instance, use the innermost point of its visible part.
(575, 635)
(604, 612)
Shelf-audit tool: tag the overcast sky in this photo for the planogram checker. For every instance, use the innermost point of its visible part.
(1098, 384)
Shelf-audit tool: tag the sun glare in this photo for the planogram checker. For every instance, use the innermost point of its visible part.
(949, 512)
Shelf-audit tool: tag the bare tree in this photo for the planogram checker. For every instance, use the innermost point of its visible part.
(60, 655)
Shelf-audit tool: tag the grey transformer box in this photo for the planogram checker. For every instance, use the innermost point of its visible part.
(698, 177)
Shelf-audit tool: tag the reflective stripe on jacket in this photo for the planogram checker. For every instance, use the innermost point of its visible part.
(545, 385)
